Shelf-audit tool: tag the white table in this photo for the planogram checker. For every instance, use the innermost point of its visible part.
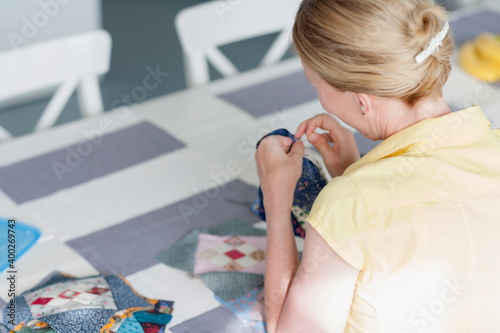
(219, 139)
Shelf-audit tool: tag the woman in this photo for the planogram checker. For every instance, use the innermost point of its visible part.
(405, 239)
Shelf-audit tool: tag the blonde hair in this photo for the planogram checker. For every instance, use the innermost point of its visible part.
(369, 46)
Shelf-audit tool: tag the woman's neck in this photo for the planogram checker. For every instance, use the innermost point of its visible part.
(399, 115)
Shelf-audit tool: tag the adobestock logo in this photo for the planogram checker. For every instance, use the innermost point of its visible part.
(222, 7)
(421, 318)
(31, 26)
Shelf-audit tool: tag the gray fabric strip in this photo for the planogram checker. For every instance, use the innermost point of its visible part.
(131, 246)
(217, 320)
(271, 96)
(100, 155)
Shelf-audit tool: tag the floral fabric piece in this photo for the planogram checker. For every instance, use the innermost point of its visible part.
(311, 182)
(249, 308)
(230, 253)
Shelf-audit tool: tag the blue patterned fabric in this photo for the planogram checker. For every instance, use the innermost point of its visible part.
(308, 187)
(85, 320)
(123, 295)
(22, 312)
(250, 309)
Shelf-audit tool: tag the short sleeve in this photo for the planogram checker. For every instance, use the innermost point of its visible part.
(496, 132)
(340, 216)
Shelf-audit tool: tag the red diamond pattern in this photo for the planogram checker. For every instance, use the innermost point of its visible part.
(68, 294)
(97, 291)
(42, 300)
(234, 254)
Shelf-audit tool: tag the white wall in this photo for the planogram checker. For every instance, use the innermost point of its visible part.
(28, 21)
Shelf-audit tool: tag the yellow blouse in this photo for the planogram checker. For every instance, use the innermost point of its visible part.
(420, 217)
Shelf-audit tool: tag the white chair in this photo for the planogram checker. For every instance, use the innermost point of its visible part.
(68, 64)
(205, 27)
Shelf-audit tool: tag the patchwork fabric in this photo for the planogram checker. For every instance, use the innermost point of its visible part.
(76, 294)
(250, 309)
(311, 182)
(231, 253)
(63, 303)
(130, 325)
(226, 285)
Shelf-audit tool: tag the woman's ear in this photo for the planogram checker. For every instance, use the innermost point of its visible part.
(365, 103)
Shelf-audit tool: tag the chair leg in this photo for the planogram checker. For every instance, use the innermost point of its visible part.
(4, 135)
(278, 49)
(196, 67)
(56, 105)
(89, 97)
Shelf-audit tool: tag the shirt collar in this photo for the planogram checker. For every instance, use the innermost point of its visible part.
(454, 129)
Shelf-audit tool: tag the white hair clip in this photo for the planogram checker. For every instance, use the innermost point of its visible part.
(434, 44)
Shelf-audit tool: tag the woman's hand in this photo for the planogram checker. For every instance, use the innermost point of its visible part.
(344, 150)
(279, 169)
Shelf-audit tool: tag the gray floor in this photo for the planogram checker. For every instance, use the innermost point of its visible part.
(143, 36)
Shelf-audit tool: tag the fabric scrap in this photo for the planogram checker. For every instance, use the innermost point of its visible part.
(230, 253)
(226, 285)
(250, 309)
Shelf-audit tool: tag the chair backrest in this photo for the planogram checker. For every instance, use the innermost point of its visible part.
(68, 64)
(205, 27)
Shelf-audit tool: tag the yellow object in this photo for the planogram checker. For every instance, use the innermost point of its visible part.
(418, 216)
(470, 60)
(488, 48)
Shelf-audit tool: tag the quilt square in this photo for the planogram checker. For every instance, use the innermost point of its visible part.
(230, 253)
(226, 284)
(41, 306)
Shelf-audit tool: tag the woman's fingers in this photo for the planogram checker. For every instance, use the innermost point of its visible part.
(274, 141)
(301, 130)
(297, 150)
(307, 127)
(342, 153)
(321, 144)
(323, 121)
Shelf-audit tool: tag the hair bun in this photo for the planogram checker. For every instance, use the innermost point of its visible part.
(378, 56)
(424, 23)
